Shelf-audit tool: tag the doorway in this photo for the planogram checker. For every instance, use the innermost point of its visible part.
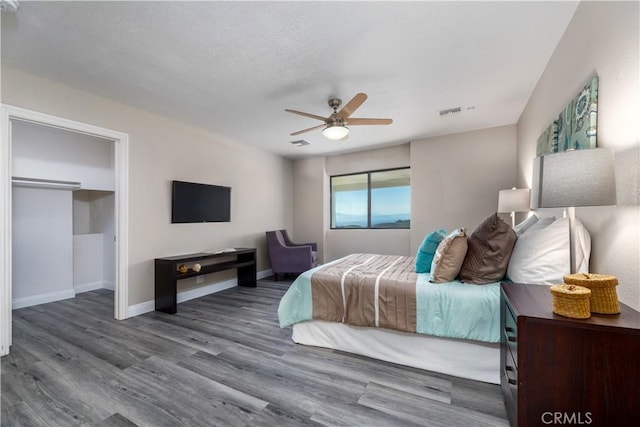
(13, 116)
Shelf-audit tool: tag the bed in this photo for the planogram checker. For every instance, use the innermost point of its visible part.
(396, 315)
(387, 307)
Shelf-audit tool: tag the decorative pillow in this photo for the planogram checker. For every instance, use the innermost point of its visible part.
(449, 257)
(541, 254)
(488, 253)
(427, 250)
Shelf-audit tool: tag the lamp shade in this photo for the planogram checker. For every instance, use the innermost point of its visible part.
(574, 178)
(335, 132)
(514, 200)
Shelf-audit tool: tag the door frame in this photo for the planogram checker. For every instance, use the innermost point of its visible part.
(121, 144)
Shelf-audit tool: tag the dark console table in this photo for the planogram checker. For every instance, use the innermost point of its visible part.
(167, 274)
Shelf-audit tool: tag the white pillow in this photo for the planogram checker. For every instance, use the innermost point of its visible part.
(582, 247)
(542, 222)
(524, 225)
(541, 254)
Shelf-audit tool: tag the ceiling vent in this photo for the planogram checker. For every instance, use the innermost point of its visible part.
(449, 111)
(300, 143)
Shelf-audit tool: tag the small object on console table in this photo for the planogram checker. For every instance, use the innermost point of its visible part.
(582, 370)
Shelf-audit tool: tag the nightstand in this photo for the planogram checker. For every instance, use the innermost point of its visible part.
(561, 371)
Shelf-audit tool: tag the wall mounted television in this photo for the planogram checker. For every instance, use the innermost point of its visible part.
(193, 202)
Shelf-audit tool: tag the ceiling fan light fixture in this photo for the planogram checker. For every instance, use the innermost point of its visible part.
(335, 132)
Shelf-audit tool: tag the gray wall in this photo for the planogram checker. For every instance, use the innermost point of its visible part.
(161, 150)
(602, 38)
(455, 181)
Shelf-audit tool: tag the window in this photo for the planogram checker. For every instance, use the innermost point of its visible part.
(380, 199)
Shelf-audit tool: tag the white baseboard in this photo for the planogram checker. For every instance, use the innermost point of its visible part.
(149, 306)
(264, 273)
(86, 287)
(206, 290)
(142, 308)
(42, 299)
(92, 286)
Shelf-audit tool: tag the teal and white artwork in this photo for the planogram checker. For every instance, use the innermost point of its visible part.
(577, 124)
(548, 141)
(576, 127)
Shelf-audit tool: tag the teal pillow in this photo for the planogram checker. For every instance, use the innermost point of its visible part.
(427, 250)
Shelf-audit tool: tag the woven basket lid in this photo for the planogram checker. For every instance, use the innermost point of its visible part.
(570, 291)
(591, 280)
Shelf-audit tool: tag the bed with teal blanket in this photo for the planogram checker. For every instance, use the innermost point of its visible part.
(359, 302)
(453, 309)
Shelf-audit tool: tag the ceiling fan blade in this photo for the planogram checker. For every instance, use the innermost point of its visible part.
(306, 130)
(301, 113)
(352, 105)
(356, 122)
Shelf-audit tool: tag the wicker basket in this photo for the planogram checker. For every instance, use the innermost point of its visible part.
(604, 299)
(571, 301)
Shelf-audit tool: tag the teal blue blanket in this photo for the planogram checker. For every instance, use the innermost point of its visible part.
(453, 309)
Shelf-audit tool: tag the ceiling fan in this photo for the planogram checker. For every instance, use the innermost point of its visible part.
(335, 126)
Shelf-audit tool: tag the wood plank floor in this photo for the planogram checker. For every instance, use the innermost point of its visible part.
(221, 360)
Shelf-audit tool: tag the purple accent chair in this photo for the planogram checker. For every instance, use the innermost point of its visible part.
(288, 257)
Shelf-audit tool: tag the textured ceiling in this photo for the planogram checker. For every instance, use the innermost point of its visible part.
(233, 67)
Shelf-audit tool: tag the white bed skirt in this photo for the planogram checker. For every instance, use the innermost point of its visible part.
(461, 358)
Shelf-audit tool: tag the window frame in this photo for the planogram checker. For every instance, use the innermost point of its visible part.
(368, 173)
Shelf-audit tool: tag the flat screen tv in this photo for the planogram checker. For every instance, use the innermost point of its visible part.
(192, 202)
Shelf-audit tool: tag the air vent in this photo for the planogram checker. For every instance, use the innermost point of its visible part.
(449, 111)
(300, 143)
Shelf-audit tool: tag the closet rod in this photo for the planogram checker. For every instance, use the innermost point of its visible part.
(45, 183)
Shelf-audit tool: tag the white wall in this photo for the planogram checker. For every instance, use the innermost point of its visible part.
(81, 212)
(41, 271)
(103, 207)
(369, 160)
(310, 219)
(49, 153)
(455, 179)
(161, 150)
(602, 38)
(88, 262)
(94, 213)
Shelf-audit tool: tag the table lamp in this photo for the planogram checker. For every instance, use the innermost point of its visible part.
(573, 179)
(514, 200)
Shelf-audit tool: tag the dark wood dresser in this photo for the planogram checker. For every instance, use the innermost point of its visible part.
(561, 371)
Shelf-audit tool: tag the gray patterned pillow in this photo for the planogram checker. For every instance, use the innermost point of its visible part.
(488, 252)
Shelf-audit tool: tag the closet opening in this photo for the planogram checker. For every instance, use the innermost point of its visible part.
(63, 214)
(64, 222)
